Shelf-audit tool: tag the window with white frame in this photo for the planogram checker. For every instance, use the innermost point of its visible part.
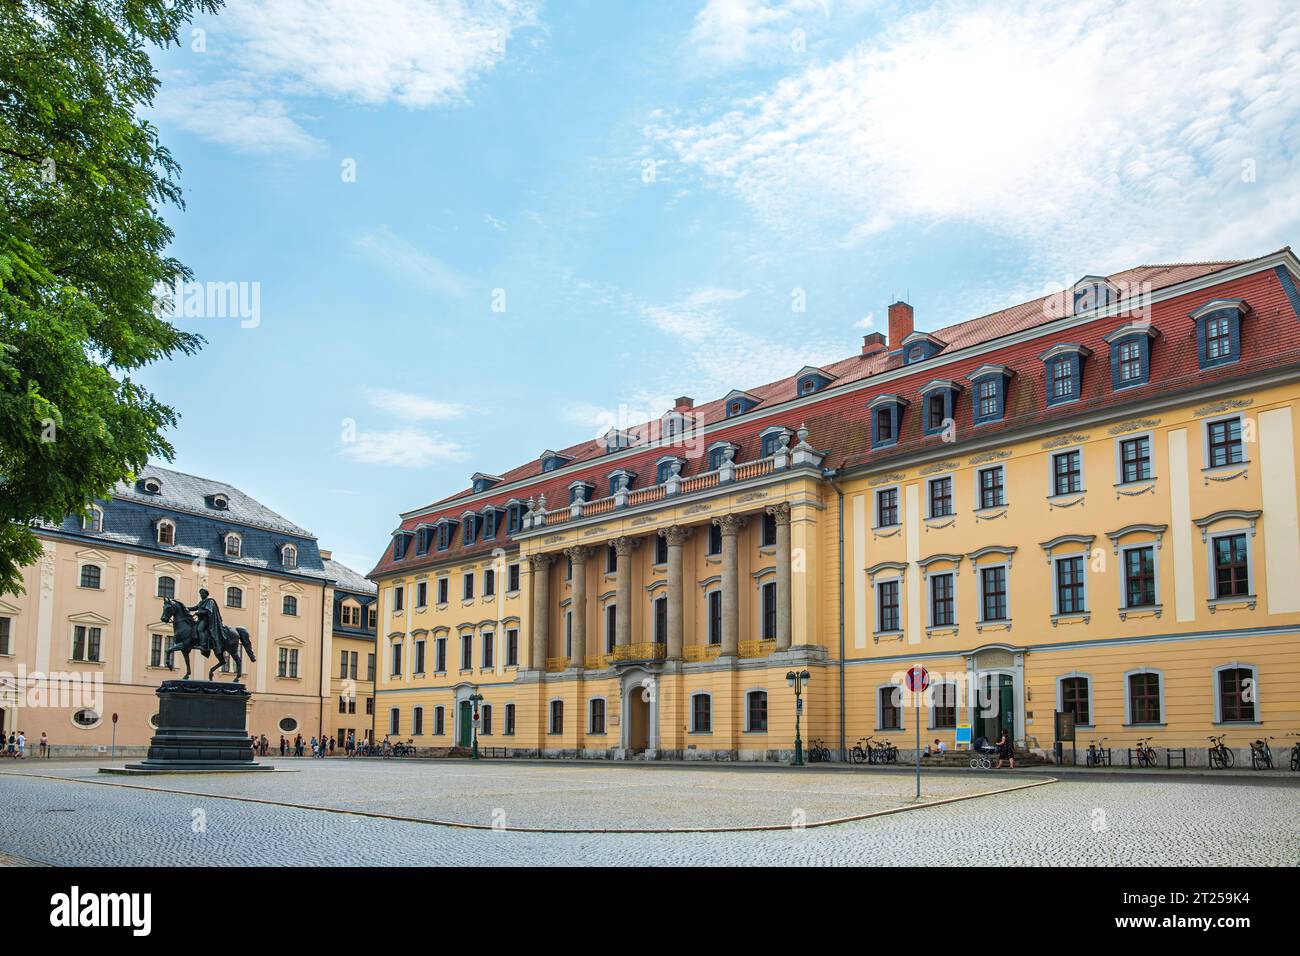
(943, 706)
(1067, 472)
(993, 593)
(756, 712)
(1139, 570)
(1074, 696)
(395, 658)
(940, 497)
(234, 597)
(701, 714)
(888, 612)
(596, 719)
(91, 577)
(166, 587)
(1223, 443)
(943, 604)
(1144, 700)
(289, 556)
(87, 644)
(1071, 587)
(287, 663)
(992, 487)
(889, 707)
(887, 508)
(1236, 694)
(166, 532)
(1134, 459)
(1230, 564)
(290, 605)
(234, 544)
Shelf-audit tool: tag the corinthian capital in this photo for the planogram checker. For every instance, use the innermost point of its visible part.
(578, 555)
(625, 546)
(676, 535)
(540, 562)
(731, 524)
(780, 512)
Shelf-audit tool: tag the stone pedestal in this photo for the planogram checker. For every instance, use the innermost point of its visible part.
(202, 725)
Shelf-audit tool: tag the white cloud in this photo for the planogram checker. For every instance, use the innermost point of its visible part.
(405, 261)
(409, 407)
(1100, 133)
(721, 354)
(403, 448)
(414, 53)
(730, 32)
(233, 113)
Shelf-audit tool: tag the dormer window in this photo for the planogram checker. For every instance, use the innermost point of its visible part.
(616, 439)
(769, 442)
(152, 486)
(481, 482)
(581, 489)
(1063, 365)
(664, 469)
(886, 419)
(1218, 331)
(400, 541)
(219, 502)
(491, 519)
(738, 403)
(718, 454)
(552, 460)
(1093, 292)
(616, 478)
(940, 404)
(167, 532)
(1130, 354)
(95, 520)
(813, 379)
(470, 522)
(446, 528)
(289, 556)
(423, 536)
(233, 545)
(514, 517)
(989, 383)
(919, 346)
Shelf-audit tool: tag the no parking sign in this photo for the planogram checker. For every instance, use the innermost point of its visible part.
(918, 678)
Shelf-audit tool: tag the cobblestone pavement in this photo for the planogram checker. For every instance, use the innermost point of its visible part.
(1074, 822)
(568, 796)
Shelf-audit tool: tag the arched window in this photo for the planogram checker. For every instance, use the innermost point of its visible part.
(167, 587)
(166, 532)
(95, 522)
(943, 706)
(290, 605)
(1074, 696)
(234, 544)
(701, 714)
(90, 576)
(1235, 693)
(557, 717)
(234, 597)
(756, 712)
(289, 556)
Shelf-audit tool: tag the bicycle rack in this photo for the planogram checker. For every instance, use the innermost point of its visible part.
(1181, 753)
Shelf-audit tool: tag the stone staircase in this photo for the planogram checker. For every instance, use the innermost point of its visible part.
(961, 758)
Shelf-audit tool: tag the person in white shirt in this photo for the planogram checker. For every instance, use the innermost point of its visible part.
(939, 746)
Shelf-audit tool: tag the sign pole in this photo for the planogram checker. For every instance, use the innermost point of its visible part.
(918, 745)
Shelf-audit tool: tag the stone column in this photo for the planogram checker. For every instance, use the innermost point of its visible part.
(579, 607)
(541, 565)
(675, 536)
(781, 515)
(624, 547)
(731, 526)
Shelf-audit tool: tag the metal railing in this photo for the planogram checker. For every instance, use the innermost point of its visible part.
(701, 652)
(639, 652)
(556, 664)
(756, 648)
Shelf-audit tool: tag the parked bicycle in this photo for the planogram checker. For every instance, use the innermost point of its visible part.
(886, 752)
(1261, 757)
(1295, 751)
(404, 749)
(862, 751)
(1146, 754)
(818, 752)
(1221, 756)
(1098, 756)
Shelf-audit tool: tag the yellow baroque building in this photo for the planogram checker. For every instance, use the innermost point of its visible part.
(84, 642)
(1085, 504)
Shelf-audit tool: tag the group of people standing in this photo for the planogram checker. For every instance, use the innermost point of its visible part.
(15, 747)
(322, 747)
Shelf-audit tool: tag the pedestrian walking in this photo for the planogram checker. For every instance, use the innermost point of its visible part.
(22, 745)
(1006, 750)
(44, 748)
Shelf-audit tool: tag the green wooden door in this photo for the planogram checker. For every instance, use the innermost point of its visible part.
(464, 736)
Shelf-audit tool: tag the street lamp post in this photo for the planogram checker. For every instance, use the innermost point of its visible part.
(797, 681)
(475, 699)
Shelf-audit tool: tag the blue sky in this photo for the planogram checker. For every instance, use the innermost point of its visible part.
(648, 189)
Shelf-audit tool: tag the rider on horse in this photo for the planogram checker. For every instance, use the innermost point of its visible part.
(212, 635)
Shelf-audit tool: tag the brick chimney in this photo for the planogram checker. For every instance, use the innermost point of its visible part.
(684, 404)
(900, 323)
(873, 343)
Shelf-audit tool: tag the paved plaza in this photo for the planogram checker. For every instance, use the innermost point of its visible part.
(68, 814)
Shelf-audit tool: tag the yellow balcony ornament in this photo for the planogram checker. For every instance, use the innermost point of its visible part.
(639, 652)
(555, 664)
(756, 648)
(701, 652)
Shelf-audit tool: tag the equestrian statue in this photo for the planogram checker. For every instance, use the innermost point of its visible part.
(201, 626)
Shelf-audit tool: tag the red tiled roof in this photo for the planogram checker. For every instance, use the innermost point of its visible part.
(839, 422)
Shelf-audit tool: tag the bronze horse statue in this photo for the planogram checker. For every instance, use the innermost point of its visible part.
(186, 637)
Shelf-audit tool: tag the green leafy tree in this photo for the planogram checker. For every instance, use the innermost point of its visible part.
(82, 250)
